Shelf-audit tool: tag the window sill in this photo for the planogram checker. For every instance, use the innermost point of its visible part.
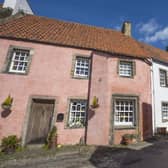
(75, 127)
(15, 73)
(124, 127)
(129, 77)
(80, 77)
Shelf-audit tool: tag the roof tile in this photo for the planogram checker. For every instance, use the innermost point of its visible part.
(42, 29)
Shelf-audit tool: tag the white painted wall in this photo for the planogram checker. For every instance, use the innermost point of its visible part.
(160, 94)
(9, 3)
(18, 5)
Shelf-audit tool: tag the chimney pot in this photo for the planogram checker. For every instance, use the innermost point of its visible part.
(126, 28)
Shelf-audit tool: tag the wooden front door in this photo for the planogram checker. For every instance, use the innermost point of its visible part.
(40, 119)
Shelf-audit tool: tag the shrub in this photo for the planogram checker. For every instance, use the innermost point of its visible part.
(10, 144)
(5, 12)
(52, 138)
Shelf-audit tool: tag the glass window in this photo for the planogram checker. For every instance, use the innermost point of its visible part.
(163, 78)
(81, 67)
(124, 112)
(77, 113)
(19, 61)
(126, 68)
(164, 112)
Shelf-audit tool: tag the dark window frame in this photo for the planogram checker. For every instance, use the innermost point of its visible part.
(75, 57)
(133, 64)
(7, 63)
(166, 80)
(163, 120)
(136, 115)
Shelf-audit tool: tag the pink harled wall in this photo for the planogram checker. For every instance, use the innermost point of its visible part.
(104, 83)
(49, 75)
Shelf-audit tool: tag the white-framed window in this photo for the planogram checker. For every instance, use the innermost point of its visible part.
(19, 61)
(81, 67)
(124, 110)
(165, 111)
(163, 78)
(77, 113)
(126, 68)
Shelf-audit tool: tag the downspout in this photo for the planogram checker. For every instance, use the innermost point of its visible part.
(88, 99)
(153, 98)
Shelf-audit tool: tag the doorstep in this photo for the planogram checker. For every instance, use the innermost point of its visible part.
(139, 145)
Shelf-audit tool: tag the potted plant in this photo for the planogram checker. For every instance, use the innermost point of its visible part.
(95, 102)
(52, 138)
(129, 139)
(7, 104)
(10, 144)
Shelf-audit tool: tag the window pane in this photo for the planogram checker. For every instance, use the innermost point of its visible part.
(124, 112)
(162, 78)
(81, 67)
(77, 113)
(165, 111)
(126, 68)
(19, 61)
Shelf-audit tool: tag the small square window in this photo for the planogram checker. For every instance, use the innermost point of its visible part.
(81, 67)
(126, 68)
(164, 112)
(163, 78)
(19, 61)
(77, 113)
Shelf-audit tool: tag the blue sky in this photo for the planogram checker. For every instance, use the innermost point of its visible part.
(149, 17)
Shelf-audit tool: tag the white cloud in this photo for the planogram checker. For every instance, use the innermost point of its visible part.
(148, 28)
(161, 35)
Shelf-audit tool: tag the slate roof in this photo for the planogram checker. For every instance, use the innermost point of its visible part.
(46, 30)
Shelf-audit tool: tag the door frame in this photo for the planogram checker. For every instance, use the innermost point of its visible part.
(28, 111)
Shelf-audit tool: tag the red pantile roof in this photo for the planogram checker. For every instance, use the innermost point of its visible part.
(42, 29)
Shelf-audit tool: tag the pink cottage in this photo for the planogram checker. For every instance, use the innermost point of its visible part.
(54, 70)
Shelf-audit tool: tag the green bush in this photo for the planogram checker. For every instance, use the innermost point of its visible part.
(52, 138)
(10, 144)
(5, 12)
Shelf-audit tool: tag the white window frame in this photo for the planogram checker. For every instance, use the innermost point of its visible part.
(125, 68)
(82, 67)
(77, 113)
(124, 106)
(164, 108)
(20, 63)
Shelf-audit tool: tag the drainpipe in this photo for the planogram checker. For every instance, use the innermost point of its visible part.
(153, 98)
(88, 99)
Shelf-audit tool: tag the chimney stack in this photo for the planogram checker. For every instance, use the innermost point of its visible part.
(126, 28)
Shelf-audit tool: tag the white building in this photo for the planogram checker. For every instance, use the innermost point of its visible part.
(159, 74)
(18, 5)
